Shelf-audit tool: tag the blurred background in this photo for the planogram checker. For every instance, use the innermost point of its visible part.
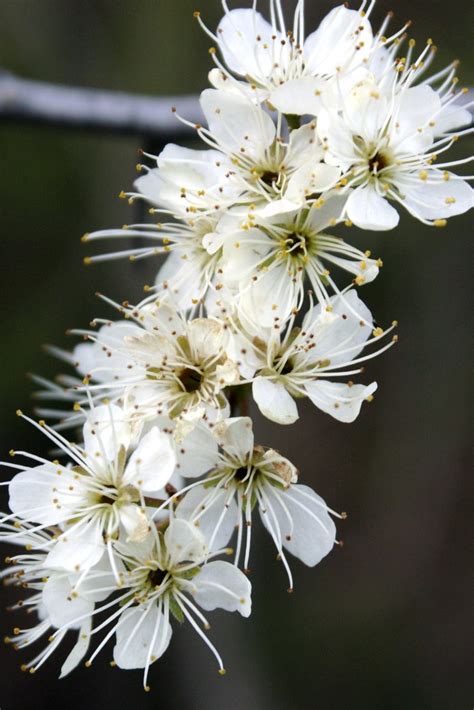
(384, 622)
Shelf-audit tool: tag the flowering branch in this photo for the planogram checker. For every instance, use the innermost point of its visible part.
(341, 131)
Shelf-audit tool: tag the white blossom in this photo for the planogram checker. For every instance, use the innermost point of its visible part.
(268, 264)
(59, 599)
(100, 494)
(299, 362)
(246, 475)
(158, 363)
(277, 62)
(167, 575)
(388, 148)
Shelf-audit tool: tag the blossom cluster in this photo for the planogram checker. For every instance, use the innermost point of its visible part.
(147, 517)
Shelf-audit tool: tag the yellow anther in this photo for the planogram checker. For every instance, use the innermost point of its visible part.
(423, 175)
(87, 260)
(440, 223)
(377, 332)
(122, 195)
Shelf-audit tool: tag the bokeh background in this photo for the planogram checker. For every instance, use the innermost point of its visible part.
(384, 622)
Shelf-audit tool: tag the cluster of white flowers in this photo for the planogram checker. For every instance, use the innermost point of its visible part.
(303, 135)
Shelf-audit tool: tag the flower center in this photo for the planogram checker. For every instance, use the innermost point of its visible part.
(241, 473)
(378, 162)
(156, 577)
(296, 244)
(191, 379)
(269, 177)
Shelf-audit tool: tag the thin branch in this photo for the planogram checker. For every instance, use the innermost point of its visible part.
(22, 100)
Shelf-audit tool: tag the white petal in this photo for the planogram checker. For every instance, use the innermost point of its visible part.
(299, 96)
(138, 628)
(99, 583)
(134, 523)
(103, 359)
(349, 324)
(239, 125)
(452, 118)
(325, 49)
(310, 179)
(183, 278)
(79, 650)
(274, 401)
(42, 496)
(78, 549)
(237, 36)
(365, 110)
(197, 453)
(343, 402)
(206, 337)
(439, 200)
(415, 109)
(105, 432)
(184, 543)
(331, 211)
(236, 437)
(152, 463)
(215, 522)
(272, 297)
(303, 525)
(63, 607)
(368, 210)
(220, 585)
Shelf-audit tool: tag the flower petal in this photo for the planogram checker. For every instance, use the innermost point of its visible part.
(204, 507)
(236, 437)
(79, 650)
(368, 210)
(343, 402)
(105, 432)
(138, 629)
(153, 462)
(184, 543)
(237, 36)
(301, 521)
(80, 549)
(42, 494)
(299, 96)
(236, 123)
(274, 401)
(221, 585)
(62, 606)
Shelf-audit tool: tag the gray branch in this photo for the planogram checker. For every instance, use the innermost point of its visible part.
(38, 102)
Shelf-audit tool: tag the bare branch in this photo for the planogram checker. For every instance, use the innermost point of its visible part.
(94, 109)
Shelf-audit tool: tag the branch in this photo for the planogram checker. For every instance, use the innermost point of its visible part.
(94, 109)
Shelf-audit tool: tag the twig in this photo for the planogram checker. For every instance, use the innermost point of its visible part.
(22, 100)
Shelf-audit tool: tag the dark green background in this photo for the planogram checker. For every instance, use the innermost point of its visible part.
(382, 624)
